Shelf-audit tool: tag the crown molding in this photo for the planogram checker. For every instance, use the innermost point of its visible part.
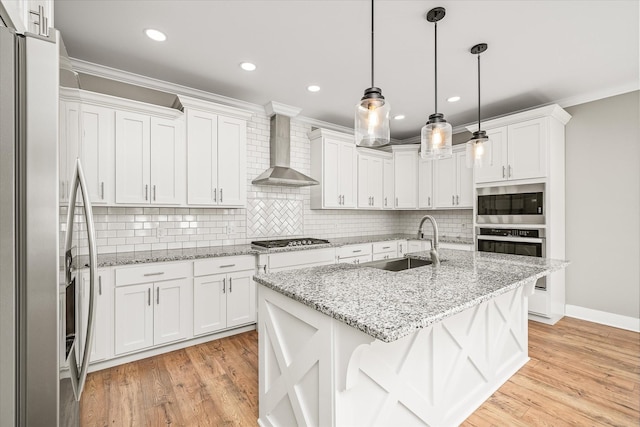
(273, 107)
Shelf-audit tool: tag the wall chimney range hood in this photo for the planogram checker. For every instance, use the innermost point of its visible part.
(280, 172)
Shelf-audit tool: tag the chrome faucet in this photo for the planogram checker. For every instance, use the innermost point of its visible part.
(435, 258)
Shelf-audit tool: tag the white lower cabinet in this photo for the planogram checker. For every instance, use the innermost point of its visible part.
(384, 250)
(418, 245)
(355, 254)
(103, 288)
(224, 293)
(152, 313)
(222, 301)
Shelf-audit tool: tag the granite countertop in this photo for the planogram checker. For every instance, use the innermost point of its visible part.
(390, 305)
(141, 257)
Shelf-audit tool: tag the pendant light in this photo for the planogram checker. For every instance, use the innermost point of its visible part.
(372, 112)
(435, 137)
(476, 145)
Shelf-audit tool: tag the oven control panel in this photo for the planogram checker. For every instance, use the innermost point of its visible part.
(509, 232)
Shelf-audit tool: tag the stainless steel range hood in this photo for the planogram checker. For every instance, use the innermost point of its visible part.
(280, 144)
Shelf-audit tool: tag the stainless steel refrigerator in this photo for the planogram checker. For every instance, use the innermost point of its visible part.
(38, 307)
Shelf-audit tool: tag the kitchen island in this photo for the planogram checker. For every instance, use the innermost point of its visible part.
(346, 345)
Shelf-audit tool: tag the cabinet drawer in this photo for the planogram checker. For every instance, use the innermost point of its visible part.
(354, 250)
(380, 247)
(539, 303)
(301, 258)
(225, 264)
(153, 272)
(355, 259)
(384, 255)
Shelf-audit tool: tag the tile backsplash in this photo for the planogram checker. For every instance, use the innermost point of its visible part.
(271, 211)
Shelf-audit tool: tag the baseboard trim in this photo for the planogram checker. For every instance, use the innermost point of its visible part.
(611, 319)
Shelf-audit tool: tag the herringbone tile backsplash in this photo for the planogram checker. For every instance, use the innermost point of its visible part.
(274, 218)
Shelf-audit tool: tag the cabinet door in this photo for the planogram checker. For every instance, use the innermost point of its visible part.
(444, 176)
(364, 195)
(330, 173)
(133, 141)
(464, 178)
(134, 318)
(402, 247)
(494, 166)
(102, 311)
(387, 176)
(171, 312)
(209, 304)
(405, 165)
(527, 152)
(425, 184)
(97, 152)
(168, 162)
(202, 158)
(347, 174)
(69, 145)
(241, 299)
(376, 182)
(232, 155)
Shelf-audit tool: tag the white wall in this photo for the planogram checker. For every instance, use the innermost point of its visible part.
(603, 205)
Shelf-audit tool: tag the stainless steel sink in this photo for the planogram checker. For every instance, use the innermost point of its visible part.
(397, 264)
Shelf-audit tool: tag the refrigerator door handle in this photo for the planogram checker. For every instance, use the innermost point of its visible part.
(78, 377)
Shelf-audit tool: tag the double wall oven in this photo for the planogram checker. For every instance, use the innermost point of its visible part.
(511, 220)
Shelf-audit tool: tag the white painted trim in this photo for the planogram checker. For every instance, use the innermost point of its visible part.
(225, 110)
(552, 110)
(605, 318)
(599, 94)
(273, 107)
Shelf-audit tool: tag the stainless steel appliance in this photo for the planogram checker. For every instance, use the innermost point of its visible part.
(515, 204)
(283, 243)
(33, 279)
(514, 241)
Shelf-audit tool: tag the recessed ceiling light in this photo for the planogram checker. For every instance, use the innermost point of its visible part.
(248, 66)
(453, 99)
(313, 88)
(398, 117)
(156, 35)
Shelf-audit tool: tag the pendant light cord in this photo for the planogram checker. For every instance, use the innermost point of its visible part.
(478, 92)
(372, 41)
(436, 65)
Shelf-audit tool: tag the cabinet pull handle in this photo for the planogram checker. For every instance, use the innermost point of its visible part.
(265, 268)
(373, 201)
(227, 265)
(504, 173)
(159, 273)
(355, 252)
(453, 200)
(339, 199)
(149, 296)
(400, 247)
(154, 192)
(62, 190)
(510, 171)
(396, 202)
(457, 200)
(429, 201)
(215, 196)
(157, 295)
(99, 285)
(342, 199)
(386, 247)
(230, 284)
(385, 201)
(146, 192)
(224, 285)
(221, 195)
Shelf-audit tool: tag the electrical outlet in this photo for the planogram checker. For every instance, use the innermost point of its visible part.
(230, 229)
(162, 232)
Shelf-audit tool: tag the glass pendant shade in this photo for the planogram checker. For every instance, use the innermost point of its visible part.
(372, 119)
(435, 138)
(476, 150)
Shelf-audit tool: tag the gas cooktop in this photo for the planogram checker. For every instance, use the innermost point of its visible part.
(283, 243)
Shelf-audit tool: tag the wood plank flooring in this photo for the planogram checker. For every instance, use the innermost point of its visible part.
(580, 373)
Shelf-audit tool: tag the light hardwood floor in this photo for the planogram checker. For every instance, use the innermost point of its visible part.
(580, 373)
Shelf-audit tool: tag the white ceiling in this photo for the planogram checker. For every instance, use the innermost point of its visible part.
(539, 51)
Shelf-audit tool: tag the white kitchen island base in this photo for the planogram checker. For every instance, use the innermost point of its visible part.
(318, 371)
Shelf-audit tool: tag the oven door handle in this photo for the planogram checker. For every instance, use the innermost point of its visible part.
(512, 239)
(79, 373)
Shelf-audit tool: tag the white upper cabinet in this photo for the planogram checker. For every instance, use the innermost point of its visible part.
(25, 15)
(96, 152)
(519, 145)
(405, 165)
(371, 179)
(168, 162)
(216, 155)
(334, 165)
(453, 186)
(425, 184)
(69, 145)
(388, 190)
